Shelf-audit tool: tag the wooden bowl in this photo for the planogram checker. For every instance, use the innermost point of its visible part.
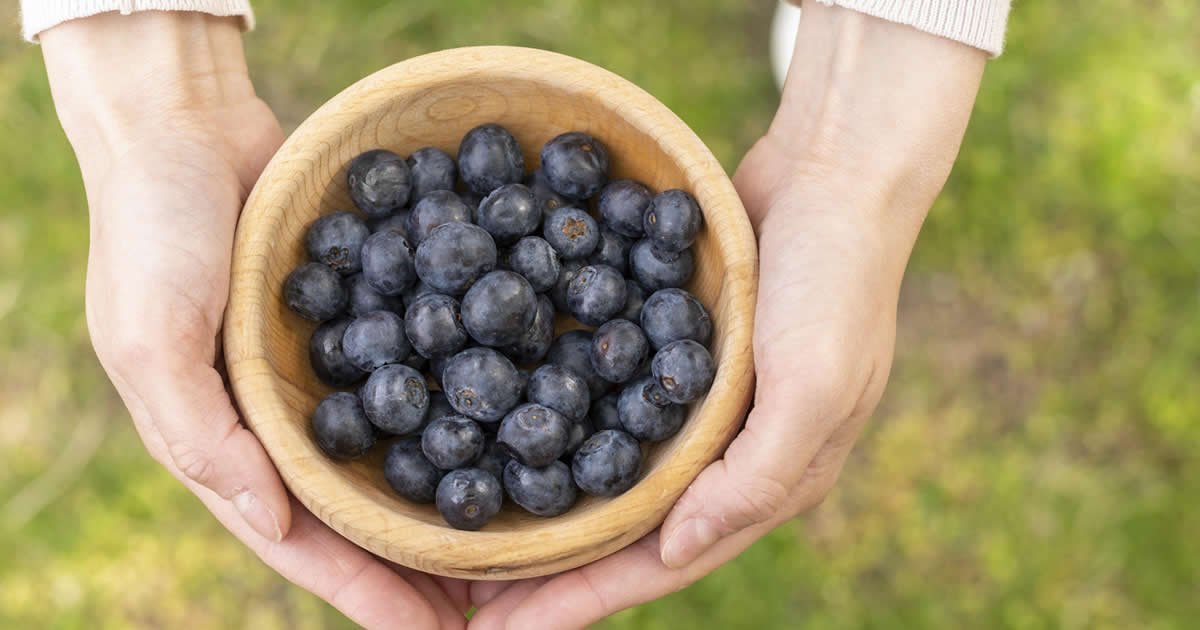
(434, 100)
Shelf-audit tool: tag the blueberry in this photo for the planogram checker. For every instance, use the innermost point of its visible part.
(315, 292)
(646, 413)
(575, 165)
(655, 269)
(623, 205)
(674, 314)
(548, 201)
(395, 399)
(508, 213)
(432, 169)
(341, 428)
(560, 389)
(596, 294)
(612, 250)
(673, 221)
(437, 208)
(488, 158)
(325, 355)
(468, 498)
(337, 239)
(413, 293)
(499, 308)
(535, 341)
(545, 491)
(436, 366)
(452, 442)
(439, 407)
(454, 256)
(434, 326)
(684, 369)
(571, 350)
(535, 259)
(397, 221)
(619, 348)
(375, 340)
(572, 232)
(471, 199)
(603, 414)
(410, 473)
(379, 181)
(534, 435)
(493, 459)
(580, 431)
(387, 261)
(566, 273)
(364, 299)
(607, 464)
(481, 384)
(635, 297)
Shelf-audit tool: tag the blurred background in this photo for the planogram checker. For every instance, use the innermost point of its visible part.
(1034, 463)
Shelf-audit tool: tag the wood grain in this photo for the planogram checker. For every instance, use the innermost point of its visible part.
(434, 100)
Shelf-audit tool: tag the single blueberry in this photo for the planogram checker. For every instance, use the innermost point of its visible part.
(325, 355)
(534, 435)
(481, 384)
(468, 498)
(603, 414)
(535, 259)
(387, 261)
(580, 431)
(623, 205)
(535, 341)
(575, 165)
(619, 348)
(397, 221)
(673, 221)
(432, 169)
(410, 473)
(395, 399)
(684, 369)
(596, 294)
(612, 250)
(315, 292)
(566, 273)
(655, 269)
(437, 208)
(336, 240)
(646, 413)
(375, 340)
(493, 459)
(434, 326)
(572, 350)
(572, 232)
(452, 442)
(341, 428)
(674, 314)
(490, 157)
(379, 181)
(499, 308)
(545, 491)
(509, 213)
(454, 256)
(560, 389)
(548, 201)
(364, 298)
(635, 297)
(607, 464)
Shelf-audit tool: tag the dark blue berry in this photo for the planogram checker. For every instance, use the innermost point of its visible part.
(395, 399)
(325, 355)
(493, 459)
(379, 181)
(607, 464)
(612, 250)
(566, 273)
(499, 308)
(534, 435)
(674, 314)
(619, 348)
(655, 269)
(548, 201)
(623, 205)
(635, 297)
(364, 298)
(545, 491)
(572, 350)
(454, 256)
(535, 259)
(481, 384)
(468, 498)
(336, 240)
(535, 341)
(673, 221)
(434, 326)
(684, 369)
(596, 294)
(397, 221)
(315, 292)
(375, 340)
(560, 389)
(490, 157)
(437, 208)
(509, 213)
(452, 442)
(432, 169)
(410, 473)
(646, 413)
(387, 261)
(580, 431)
(575, 165)
(572, 232)
(341, 428)
(603, 414)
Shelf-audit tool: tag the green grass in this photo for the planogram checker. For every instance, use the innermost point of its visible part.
(1034, 461)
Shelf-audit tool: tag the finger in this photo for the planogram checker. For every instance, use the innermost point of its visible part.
(445, 593)
(494, 615)
(484, 592)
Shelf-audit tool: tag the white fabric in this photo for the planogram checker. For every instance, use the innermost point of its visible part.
(978, 23)
(39, 15)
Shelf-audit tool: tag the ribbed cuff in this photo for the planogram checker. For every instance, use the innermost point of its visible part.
(39, 15)
(978, 23)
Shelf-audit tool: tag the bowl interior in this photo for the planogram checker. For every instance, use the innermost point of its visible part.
(434, 104)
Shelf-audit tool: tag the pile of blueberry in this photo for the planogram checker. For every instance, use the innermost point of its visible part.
(462, 289)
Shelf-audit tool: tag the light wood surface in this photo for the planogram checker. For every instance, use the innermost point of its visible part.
(434, 100)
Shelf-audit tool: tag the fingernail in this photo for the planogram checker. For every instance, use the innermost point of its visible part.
(258, 516)
(689, 541)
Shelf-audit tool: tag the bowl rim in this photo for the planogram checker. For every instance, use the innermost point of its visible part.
(547, 546)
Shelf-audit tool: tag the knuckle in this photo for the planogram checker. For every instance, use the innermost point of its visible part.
(756, 500)
(194, 463)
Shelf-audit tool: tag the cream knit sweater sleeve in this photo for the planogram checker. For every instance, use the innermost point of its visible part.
(39, 15)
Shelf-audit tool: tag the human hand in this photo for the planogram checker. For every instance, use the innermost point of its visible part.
(170, 139)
